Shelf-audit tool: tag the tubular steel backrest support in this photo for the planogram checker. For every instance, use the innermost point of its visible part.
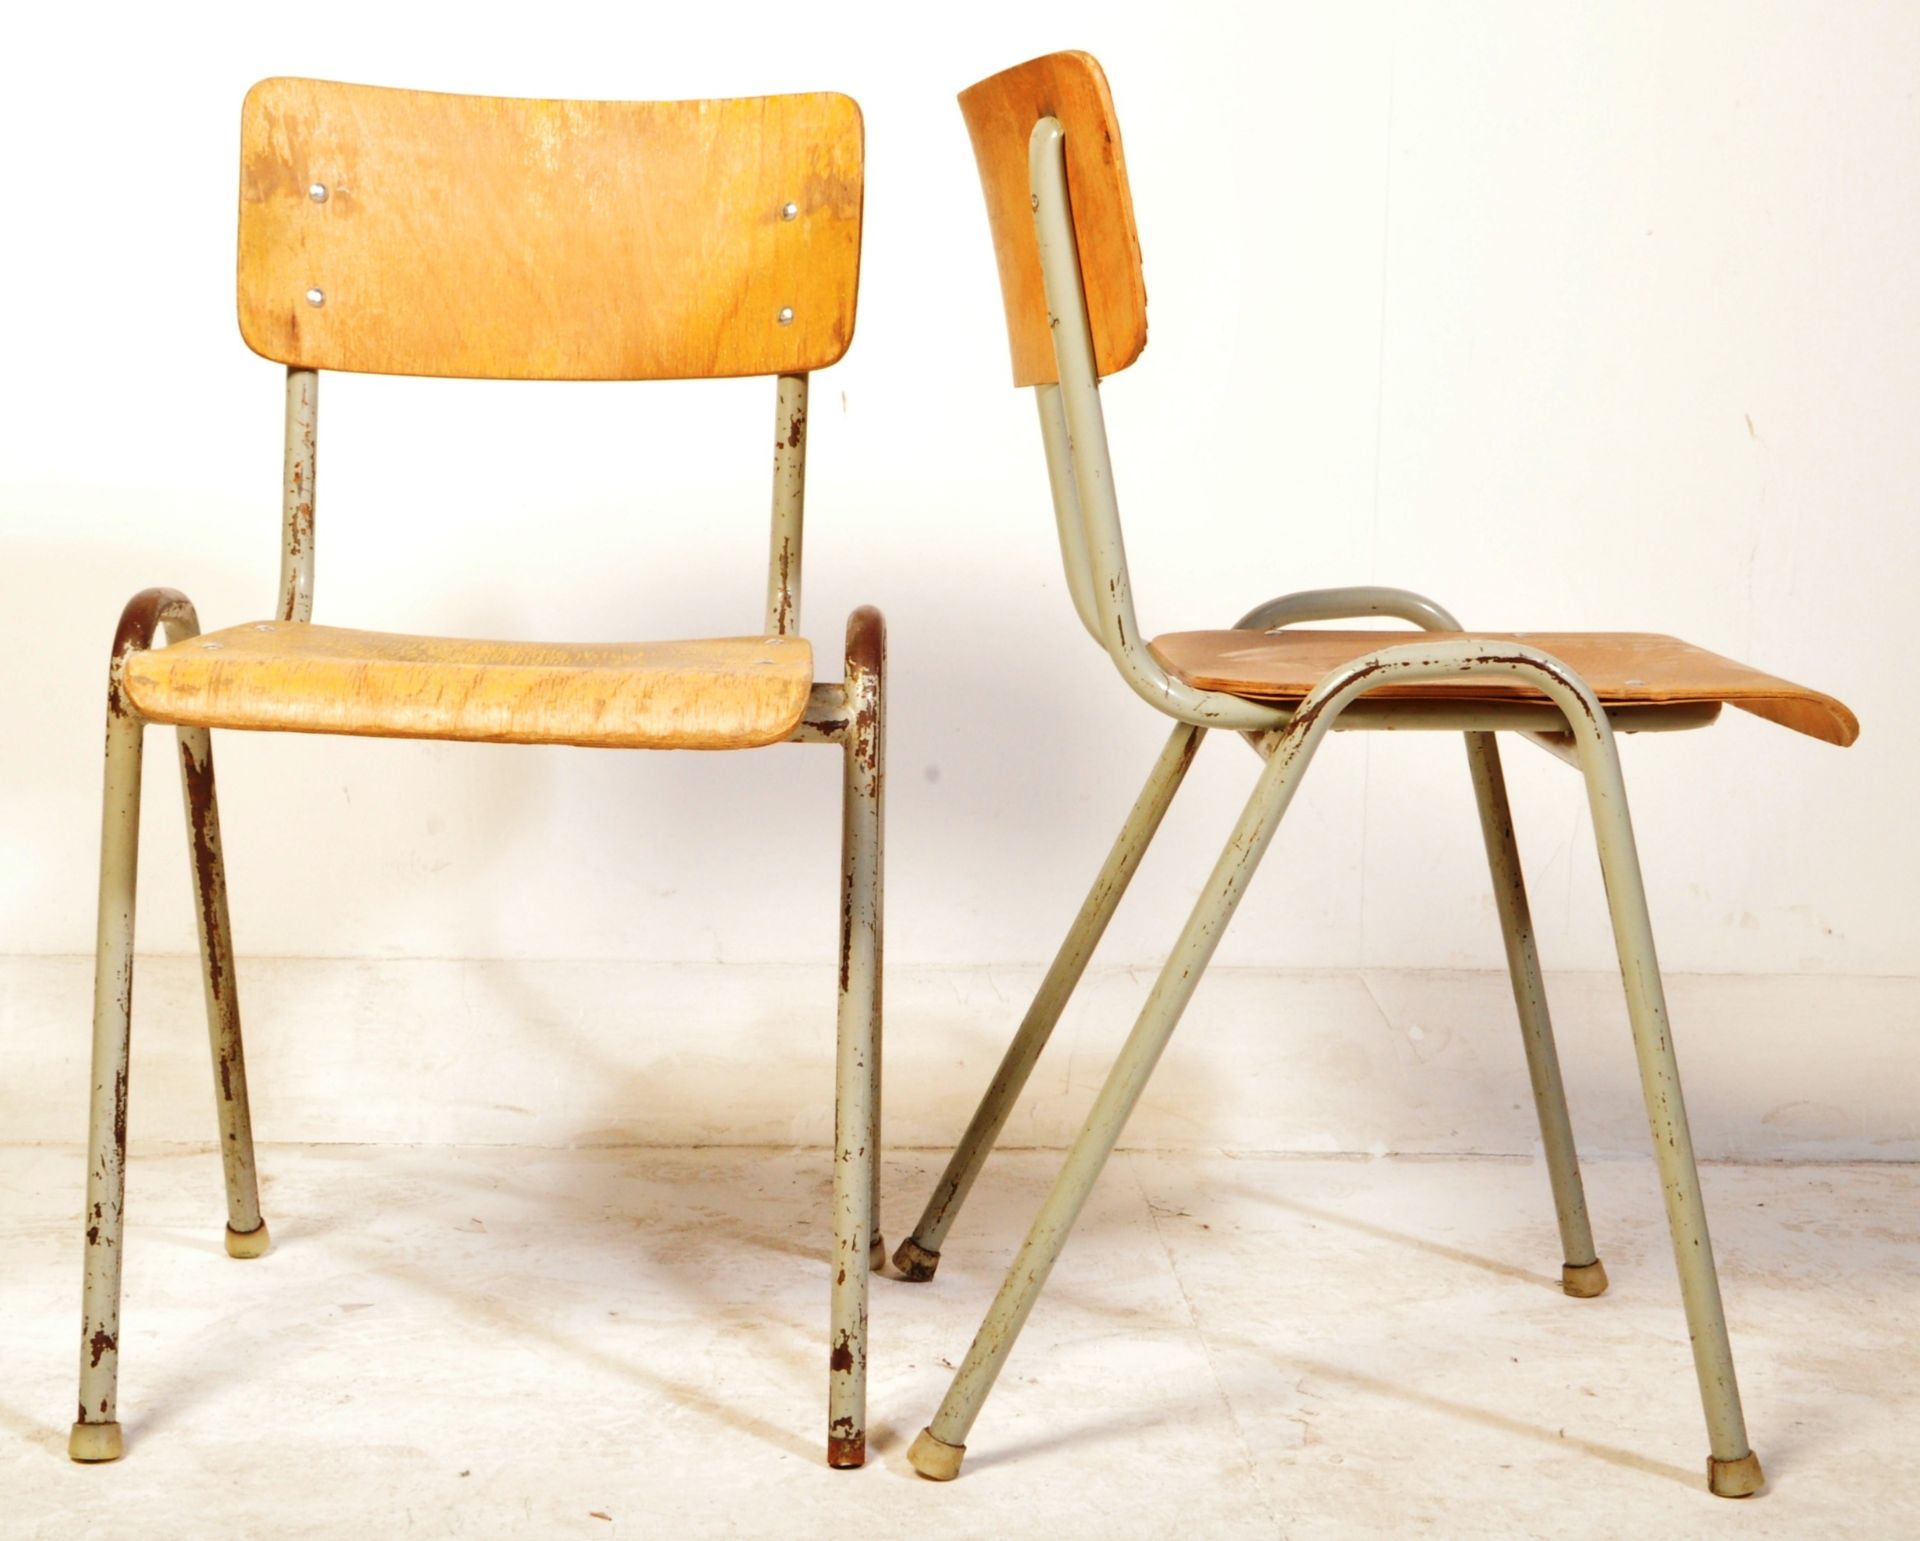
(410, 232)
(1075, 267)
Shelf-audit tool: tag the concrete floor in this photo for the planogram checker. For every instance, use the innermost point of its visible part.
(488, 1341)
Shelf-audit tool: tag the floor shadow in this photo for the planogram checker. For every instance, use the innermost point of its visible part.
(1422, 1244)
(1124, 1423)
(1127, 1423)
(31, 1430)
(492, 1315)
(1485, 1417)
(678, 1253)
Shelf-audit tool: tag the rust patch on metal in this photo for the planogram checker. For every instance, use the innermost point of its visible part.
(864, 746)
(120, 1111)
(846, 1450)
(783, 618)
(842, 1356)
(796, 432)
(144, 615)
(139, 621)
(846, 938)
(300, 526)
(203, 839)
(102, 1343)
(866, 640)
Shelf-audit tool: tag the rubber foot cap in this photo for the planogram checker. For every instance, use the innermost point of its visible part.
(935, 1459)
(93, 1442)
(915, 1262)
(1585, 1280)
(244, 1244)
(845, 1452)
(1735, 1479)
(877, 1255)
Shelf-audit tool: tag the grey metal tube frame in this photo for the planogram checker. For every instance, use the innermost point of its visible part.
(1575, 726)
(849, 713)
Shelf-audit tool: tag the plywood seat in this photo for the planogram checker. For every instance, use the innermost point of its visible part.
(725, 693)
(1624, 668)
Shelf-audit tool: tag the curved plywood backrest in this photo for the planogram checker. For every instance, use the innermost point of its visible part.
(1000, 113)
(408, 232)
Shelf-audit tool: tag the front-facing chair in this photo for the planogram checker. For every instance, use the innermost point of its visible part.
(399, 232)
(1048, 148)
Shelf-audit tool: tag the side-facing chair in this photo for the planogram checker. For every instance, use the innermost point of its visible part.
(1048, 147)
(401, 232)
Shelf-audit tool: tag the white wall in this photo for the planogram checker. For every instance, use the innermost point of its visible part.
(1572, 316)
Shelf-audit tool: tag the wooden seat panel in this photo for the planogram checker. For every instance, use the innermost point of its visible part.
(725, 693)
(1623, 668)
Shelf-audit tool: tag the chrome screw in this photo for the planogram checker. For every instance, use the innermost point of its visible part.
(318, 192)
(789, 211)
(316, 298)
(785, 318)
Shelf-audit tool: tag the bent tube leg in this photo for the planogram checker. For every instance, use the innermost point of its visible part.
(96, 1430)
(1581, 1274)
(936, 1453)
(919, 1255)
(1733, 1471)
(855, 1157)
(246, 1231)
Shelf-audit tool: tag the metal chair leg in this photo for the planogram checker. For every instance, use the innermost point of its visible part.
(919, 1255)
(938, 1451)
(96, 1432)
(877, 1244)
(877, 1241)
(1581, 1273)
(246, 1231)
(856, 1156)
(96, 1429)
(1733, 1470)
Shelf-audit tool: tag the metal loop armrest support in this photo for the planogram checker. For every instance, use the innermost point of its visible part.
(1357, 602)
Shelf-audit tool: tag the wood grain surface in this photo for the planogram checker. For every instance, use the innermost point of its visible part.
(727, 693)
(1623, 668)
(1001, 112)
(500, 238)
